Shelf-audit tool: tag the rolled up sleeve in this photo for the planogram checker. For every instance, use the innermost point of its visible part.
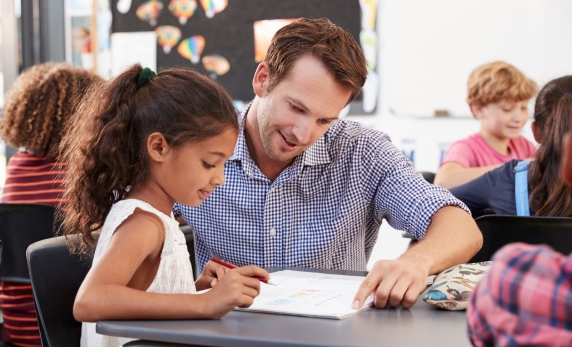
(402, 196)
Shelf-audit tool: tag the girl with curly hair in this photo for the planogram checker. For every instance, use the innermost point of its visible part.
(135, 146)
(37, 108)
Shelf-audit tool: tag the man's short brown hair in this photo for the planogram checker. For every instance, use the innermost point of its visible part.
(493, 82)
(337, 50)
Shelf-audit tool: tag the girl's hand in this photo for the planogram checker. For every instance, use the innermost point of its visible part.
(237, 288)
(212, 273)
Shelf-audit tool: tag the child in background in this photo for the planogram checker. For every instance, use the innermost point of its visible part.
(524, 299)
(498, 94)
(140, 143)
(546, 194)
(37, 107)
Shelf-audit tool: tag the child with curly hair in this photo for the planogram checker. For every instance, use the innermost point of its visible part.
(37, 108)
(135, 146)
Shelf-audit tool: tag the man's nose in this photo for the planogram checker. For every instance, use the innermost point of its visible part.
(302, 130)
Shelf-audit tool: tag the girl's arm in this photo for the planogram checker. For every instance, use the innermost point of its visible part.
(114, 289)
(452, 174)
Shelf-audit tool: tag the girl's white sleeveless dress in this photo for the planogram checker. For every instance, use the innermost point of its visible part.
(175, 273)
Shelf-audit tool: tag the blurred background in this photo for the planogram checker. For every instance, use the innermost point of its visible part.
(419, 54)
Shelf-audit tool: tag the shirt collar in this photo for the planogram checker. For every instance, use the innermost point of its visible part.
(317, 154)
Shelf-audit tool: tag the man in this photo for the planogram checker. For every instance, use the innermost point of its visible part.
(305, 189)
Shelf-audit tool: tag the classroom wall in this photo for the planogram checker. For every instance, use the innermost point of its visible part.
(428, 48)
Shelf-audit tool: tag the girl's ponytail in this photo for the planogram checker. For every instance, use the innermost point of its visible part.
(105, 145)
(102, 153)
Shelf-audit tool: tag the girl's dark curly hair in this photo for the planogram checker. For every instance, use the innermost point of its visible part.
(39, 104)
(105, 145)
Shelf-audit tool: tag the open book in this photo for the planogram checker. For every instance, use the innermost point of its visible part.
(309, 294)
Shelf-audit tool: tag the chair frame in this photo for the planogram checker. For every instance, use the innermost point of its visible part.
(500, 230)
(56, 300)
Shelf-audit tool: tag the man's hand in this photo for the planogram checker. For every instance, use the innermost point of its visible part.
(212, 273)
(452, 238)
(393, 282)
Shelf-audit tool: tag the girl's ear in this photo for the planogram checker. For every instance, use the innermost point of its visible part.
(566, 167)
(535, 132)
(261, 79)
(157, 147)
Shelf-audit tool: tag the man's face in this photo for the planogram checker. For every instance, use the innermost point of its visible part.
(299, 109)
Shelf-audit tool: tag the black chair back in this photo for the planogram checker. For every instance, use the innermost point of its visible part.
(20, 226)
(500, 230)
(428, 176)
(190, 238)
(56, 276)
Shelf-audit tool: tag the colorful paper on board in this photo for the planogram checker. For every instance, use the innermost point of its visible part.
(216, 64)
(368, 41)
(264, 30)
(168, 36)
(213, 7)
(368, 13)
(192, 48)
(183, 9)
(149, 11)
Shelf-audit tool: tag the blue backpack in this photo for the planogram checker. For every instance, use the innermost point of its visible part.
(521, 188)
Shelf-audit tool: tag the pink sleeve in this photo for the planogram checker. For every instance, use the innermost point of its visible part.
(460, 153)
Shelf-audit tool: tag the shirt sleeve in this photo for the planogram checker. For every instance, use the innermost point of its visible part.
(460, 153)
(523, 299)
(399, 194)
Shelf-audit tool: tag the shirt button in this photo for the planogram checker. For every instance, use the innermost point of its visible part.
(272, 231)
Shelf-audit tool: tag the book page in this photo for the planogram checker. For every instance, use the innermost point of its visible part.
(309, 294)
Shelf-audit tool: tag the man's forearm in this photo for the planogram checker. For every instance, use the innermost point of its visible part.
(452, 238)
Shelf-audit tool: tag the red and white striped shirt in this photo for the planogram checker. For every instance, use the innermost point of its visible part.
(30, 180)
(33, 180)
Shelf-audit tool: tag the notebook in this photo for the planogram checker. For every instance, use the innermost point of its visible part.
(309, 294)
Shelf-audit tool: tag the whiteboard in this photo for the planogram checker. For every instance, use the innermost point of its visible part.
(429, 48)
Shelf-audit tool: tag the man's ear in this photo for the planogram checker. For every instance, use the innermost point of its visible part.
(261, 79)
(535, 132)
(477, 110)
(157, 147)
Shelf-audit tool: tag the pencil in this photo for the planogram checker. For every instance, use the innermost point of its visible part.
(230, 266)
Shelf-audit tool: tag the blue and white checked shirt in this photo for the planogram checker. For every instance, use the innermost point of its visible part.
(323, 211)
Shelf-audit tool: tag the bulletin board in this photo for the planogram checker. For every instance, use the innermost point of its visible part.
(224, 29)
